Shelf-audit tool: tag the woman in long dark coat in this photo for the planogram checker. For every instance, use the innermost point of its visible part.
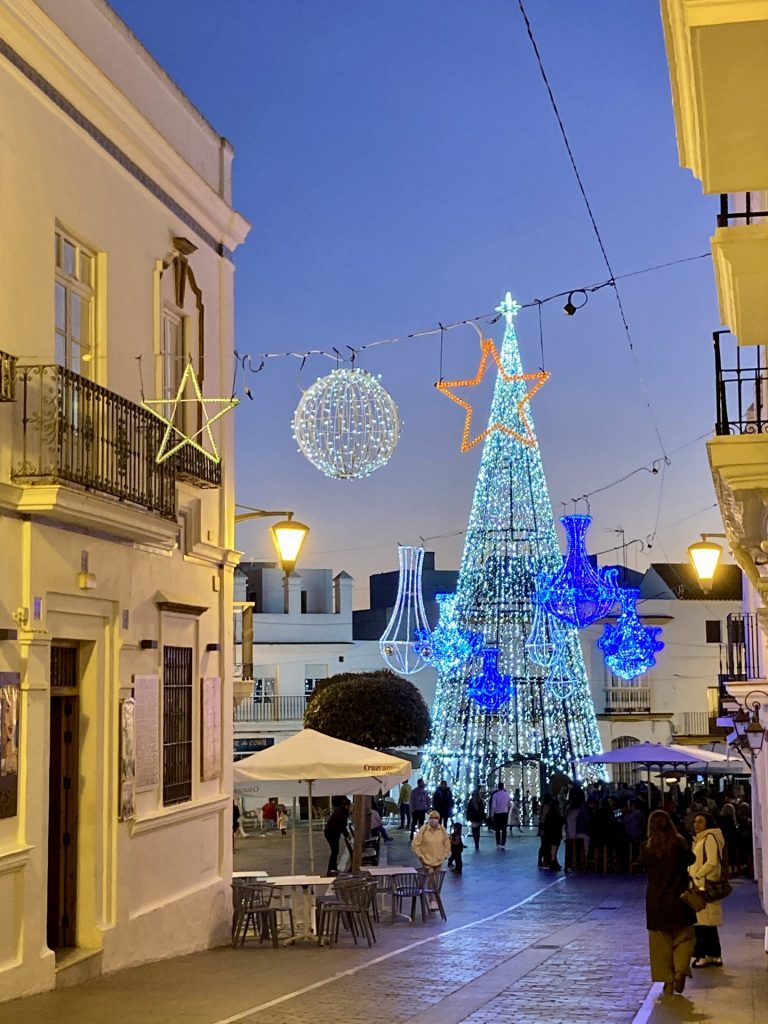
(669, 920)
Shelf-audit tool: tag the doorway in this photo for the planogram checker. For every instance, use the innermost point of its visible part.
(63, 794)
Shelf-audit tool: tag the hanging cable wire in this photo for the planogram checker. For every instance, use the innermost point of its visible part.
(613, 278)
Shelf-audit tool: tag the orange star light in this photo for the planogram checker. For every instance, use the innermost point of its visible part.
(489, 349)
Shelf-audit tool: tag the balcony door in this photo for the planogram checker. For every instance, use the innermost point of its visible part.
(63, 796)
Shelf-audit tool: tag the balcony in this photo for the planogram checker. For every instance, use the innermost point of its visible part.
(717, 67)
(272, 709)
(7, 377)
(741, 390)
(740, 655)
(627, 700)
(191, 465)
(695, 723)
(739, 248)
(68, 429)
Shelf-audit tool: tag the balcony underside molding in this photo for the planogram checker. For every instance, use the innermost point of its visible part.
(739, 467)
(716, 53)
(73, 507)
(740, 256)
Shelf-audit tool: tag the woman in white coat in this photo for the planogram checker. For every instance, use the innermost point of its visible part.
(707, 847)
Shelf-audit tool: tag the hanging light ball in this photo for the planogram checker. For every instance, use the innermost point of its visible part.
(347, 424)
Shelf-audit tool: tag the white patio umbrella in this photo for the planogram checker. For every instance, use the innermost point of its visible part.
(322, 766)
(650, 755)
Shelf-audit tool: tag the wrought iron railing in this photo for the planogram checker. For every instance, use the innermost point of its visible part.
(7, 377)
(741, 391)
(627, 700)
(69, 429)
(740, 655)
(192, 465)
(741, 208)
(272, 709)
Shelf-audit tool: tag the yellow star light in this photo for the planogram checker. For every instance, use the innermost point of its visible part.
(489, 349)
(170, 443)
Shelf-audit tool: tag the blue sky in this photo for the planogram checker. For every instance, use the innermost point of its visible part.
(401, 165)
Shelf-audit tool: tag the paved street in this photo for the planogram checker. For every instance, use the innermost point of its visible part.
(519, 945)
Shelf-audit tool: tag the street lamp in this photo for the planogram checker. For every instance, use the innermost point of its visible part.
(705, 557)
(747, 723)
(288, 536)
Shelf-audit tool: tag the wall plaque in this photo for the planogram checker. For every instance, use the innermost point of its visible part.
(146, 694)
(210, 725)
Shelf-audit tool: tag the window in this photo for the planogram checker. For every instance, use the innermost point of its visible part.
(714, 632)
(263, 690)
(312, 675)
(623, 774)
(177, 725)
(75, 292)
(172, 351)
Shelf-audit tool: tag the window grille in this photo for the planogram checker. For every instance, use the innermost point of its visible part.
(177, 725)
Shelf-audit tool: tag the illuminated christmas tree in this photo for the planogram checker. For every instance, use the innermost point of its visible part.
(501, 715)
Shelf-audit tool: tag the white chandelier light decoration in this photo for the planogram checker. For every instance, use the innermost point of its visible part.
(399, 646)
(347, 424)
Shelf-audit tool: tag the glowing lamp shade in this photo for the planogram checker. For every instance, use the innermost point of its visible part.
(705, 555)
(289, 537)
(755, 735)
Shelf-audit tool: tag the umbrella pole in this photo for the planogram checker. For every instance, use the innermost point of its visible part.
(311, 838)
(293, 837)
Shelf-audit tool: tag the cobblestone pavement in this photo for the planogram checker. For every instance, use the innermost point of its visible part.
(520, 945)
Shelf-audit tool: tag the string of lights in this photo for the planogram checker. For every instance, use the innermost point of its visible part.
(253, 364)
(593, 222)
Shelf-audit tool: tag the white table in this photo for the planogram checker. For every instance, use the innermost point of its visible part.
(307, 885)
(388, 872)
(247, 875)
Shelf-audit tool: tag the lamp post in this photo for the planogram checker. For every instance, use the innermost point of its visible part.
(287, 536)
(747, 723)
(705, 557)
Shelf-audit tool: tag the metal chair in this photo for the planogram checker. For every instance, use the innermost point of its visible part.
(407, 887)
(252, 906)
(431, 886)
(353, 907)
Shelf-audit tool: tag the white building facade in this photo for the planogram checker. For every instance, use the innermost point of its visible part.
(116, 233)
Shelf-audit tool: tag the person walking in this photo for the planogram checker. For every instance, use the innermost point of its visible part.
(668, 918)
(552, 835)
(420, 803)
(442, 802)
(405, 805)
(475, 811)
(335, 828)
(432, 844)
(708, 846)
(499, 814)
(514, 816)
(457, 848)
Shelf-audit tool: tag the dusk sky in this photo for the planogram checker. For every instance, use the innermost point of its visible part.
(401, 165)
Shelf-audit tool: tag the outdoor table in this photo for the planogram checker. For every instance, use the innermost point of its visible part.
(389, 871)
(247, 876)
(307, 884)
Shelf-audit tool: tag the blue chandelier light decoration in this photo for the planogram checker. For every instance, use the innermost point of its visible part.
(448, 647)
(490, 689)
(629, 647)
(561, 681)
(397, 645)
(579, 594)
(546, 631)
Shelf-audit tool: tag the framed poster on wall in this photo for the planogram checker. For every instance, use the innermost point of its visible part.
(210, 727)
(127, 796)
(10, 705)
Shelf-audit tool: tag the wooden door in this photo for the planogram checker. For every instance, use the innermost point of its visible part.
(63, 790)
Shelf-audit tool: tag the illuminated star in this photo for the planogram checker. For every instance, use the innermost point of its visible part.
(175, 437)
(508, 307)
(489, 349)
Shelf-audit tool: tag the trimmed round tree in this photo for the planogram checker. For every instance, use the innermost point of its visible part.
(376, 709)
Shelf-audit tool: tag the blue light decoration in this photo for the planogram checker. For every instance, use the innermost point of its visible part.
(490, 689)
(561, 680)
(546, 630)
(510, 539)
(448, 647)
(579, 594)
(629, 647)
